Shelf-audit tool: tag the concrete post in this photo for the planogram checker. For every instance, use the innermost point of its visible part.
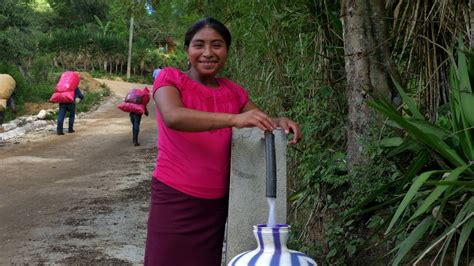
(247, 200)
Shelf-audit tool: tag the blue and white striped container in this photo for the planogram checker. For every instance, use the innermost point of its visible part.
(272, 249)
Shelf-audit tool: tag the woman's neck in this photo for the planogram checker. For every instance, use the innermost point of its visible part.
(209, 81)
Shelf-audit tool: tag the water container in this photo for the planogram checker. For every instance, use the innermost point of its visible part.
(272, 249)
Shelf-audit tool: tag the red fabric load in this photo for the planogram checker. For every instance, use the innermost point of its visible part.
(135, 101)
(132, 108)
(64, 92)
(138, 96)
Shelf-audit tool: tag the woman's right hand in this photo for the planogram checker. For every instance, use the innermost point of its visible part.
(254, 118)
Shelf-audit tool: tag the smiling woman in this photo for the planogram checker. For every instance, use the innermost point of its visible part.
(195, 113)
(207, 53)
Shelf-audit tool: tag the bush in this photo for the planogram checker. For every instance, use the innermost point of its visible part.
(91, 99)
(21, 89)
(437, 202)
(40, 92)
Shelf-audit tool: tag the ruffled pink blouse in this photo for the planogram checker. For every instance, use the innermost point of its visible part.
(197, 163)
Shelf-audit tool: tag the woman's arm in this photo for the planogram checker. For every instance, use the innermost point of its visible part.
(178, 117)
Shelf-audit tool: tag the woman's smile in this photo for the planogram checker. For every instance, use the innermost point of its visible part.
(208, 63)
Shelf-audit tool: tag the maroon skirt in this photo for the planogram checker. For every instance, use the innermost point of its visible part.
(184, 230)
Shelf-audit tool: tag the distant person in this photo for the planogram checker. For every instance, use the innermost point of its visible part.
(196, 111)
(156, 72)
(135, 104)
(71, 109)
(7, 89)
(11, 105)
(136, 119)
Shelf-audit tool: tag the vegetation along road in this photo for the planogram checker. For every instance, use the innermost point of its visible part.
(81, 197)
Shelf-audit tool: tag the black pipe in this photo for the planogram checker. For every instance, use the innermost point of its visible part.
(270, 164)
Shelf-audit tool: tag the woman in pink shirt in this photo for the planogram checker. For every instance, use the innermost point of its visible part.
(195, 114)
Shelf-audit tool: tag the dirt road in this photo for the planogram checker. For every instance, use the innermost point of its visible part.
(81, 197)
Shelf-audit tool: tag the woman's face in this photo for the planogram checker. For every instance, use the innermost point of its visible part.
(207, 52)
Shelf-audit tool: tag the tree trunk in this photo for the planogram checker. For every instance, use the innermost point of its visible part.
(471, 22)
(130, 41)
(367, 64)
(111, 66)
(382, 66)
(117, 62)
(142, 67)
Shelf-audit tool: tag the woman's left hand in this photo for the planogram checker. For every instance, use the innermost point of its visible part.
(290, 126)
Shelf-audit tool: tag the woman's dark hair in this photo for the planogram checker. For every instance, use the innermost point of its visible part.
(209, 22)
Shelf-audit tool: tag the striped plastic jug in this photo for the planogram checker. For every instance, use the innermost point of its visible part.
(272, 249)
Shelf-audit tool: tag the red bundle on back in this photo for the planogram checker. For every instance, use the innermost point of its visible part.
(135, 101)
(138, 96)
(132, 108)
(65, 88)
(134, 96)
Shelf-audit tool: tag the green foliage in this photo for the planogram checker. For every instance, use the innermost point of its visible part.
(26, 91)
(40, 67)
(103, 27)
(15, 40)
(425, 73)
(14, 13)
(172, 18)
(441, 199)
(155, 57)
(92, 99)
(75, 13)
(40, 92)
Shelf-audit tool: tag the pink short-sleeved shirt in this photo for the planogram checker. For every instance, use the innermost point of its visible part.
(197, 163)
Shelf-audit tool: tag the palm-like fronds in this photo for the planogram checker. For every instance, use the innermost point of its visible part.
(423, 31)
(453, 184)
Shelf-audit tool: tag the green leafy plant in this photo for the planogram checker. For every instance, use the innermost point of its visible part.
(91, 99)
(439, 197)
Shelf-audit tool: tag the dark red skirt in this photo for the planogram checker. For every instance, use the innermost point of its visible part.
(184, 230)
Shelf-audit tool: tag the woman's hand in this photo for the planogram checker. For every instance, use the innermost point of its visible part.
(290, 126)
(254, 118)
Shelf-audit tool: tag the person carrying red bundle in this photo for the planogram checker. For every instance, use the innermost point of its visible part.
(135, 104)
(66, 92)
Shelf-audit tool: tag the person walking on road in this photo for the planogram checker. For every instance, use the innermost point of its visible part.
(71, 109)
(11, 105)
(196, 111)
(156, 72)
(136, 119)
(135, 104)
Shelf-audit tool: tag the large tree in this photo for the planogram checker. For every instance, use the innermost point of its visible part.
(471, 28)
(368, 66)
